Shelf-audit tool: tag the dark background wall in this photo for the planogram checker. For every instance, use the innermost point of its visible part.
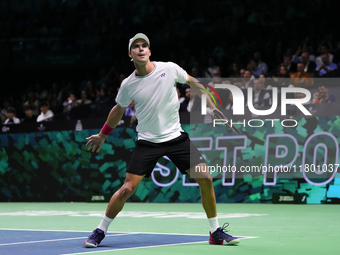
(75, 40)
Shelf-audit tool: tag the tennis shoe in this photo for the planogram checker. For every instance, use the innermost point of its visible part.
(94, 239)
(220, 237)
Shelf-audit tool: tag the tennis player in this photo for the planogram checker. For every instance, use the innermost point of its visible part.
(153, 88)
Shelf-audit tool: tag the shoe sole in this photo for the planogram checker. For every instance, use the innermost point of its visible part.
(89, 245)
(235, 241)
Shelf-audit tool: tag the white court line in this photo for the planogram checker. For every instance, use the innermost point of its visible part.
(150, 246)
(55, 240)
(60, 230)
(153, 233)
(160, 245)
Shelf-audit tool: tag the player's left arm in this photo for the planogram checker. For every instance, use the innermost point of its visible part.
(198, 88)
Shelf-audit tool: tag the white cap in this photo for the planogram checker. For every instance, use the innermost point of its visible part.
(139, 36)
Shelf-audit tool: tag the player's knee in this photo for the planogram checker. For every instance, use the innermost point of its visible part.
(126, 191)
(207, 180)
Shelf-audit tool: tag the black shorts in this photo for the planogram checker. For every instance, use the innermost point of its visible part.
(181, 151)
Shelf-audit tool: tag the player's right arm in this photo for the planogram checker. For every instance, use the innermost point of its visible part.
(197, 87)
(95, 142)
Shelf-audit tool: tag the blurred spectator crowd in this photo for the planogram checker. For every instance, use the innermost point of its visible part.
(88, 98)
(250, 44)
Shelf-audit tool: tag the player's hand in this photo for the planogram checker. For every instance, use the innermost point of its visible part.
(95, 142)
(216, 114)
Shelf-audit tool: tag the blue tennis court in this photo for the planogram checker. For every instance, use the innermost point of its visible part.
(22, 242)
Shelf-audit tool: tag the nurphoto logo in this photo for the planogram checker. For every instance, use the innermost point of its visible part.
(238, 105)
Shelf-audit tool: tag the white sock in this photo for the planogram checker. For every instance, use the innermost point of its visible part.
(105, 223)
(213, 223)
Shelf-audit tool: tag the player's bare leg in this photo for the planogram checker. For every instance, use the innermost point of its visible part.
(205, 182)
(119, 198)
(115, 205)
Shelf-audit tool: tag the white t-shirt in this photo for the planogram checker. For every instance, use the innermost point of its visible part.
(156, 101)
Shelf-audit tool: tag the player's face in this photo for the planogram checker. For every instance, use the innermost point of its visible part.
(140, 51)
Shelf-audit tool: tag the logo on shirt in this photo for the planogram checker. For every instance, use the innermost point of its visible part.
(163, 74)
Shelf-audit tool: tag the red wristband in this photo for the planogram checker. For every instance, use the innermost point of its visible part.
(106, 129)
